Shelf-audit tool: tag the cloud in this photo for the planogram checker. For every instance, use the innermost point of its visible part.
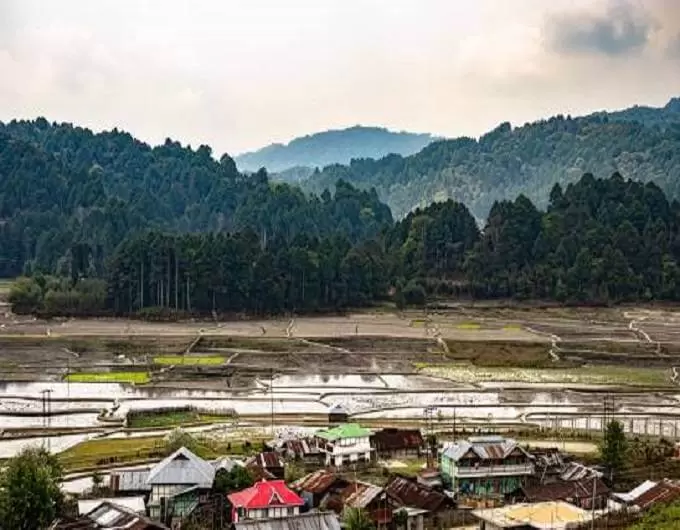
(673, 49)
(623, 28)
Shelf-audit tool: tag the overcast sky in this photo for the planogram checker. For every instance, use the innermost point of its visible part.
(239, 74)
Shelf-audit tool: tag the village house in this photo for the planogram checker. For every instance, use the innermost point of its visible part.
(305, 450)
(268, 461)
(398, 443)
(649, 493)
(177, 484)
(337, 415)
(316, 486)
(345, 444)
(108, 514)
(485, 466)
(431, 478)
(361, 495)
(423, 505)
(265, 500)
(303, 521)
(581, 493)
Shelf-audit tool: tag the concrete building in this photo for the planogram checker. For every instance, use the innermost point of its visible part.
(485, 466)
(345, 444)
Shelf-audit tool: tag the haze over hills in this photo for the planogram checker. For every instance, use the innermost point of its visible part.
(642, 143)
(332, 147)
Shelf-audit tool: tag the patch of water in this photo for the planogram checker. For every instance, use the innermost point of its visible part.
(56, 444)
(69, 420)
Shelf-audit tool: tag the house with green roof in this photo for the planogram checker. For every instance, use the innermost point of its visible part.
(345, 444)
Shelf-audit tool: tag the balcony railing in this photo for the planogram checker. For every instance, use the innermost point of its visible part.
(494, 471)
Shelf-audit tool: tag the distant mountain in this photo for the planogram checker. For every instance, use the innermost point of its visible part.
(332, 147)
(641, 143)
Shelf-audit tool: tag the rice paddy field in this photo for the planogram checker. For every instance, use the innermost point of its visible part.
(491, 367)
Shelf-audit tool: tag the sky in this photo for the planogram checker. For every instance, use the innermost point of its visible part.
(240, 74)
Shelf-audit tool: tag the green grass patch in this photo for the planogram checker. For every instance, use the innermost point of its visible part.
(174, 418)
(190, 360)
(94, 453)
(469, 326)
(589, 375)
(109, 377)
(512, 327)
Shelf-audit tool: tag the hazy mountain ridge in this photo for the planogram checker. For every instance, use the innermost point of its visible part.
(641, 143)
(333, 147)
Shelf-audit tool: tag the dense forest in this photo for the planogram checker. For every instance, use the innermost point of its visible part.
(64, 188)
(105, 224)
(300, 156)
(642, 143)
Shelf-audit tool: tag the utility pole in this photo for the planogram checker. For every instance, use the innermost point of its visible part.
(46, 412)
(592, 506)
(271, 394)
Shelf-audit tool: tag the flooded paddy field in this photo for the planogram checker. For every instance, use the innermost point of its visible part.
(485, 366)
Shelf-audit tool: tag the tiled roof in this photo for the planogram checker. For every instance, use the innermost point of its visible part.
(485, 447)
(396, 439)
(183, 467)
(305, 521)
(318, 482)
(264, 494)
(412, 494)
(348, 430)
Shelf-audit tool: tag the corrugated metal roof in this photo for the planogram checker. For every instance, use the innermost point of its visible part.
(570, 491)
(663, 492)
(306, 521)
(485, 447)
(227, 463)
(111, 515)
(360, 494)
(576, 471)
(134, 504)
(318, 482)
(348, 430)
(130, 480)
(410, 493)
(636, 492)
(267, 459)
(183, 467)
(397, 439)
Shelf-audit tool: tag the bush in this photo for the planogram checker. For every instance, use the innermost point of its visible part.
(414, 294)
(25, 296)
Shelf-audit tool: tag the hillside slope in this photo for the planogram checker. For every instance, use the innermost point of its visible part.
(332, 147)
(529, 159)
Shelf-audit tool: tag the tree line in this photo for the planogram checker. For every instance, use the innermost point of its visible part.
(599, 241)
(641, 143)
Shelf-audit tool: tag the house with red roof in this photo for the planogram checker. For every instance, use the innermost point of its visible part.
(265, 500)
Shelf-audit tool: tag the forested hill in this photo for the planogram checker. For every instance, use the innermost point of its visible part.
(332, 147)
(63, 186)
(529, 159)
(661, 116)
